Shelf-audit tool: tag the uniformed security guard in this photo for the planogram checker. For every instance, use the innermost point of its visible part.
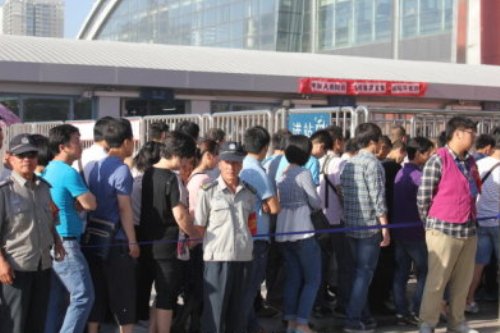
(226, 213)
(26, 235)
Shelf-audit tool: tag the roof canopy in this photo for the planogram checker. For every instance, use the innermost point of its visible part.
(50, 60)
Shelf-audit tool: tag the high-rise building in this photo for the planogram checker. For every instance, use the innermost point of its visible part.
(42, 18)
(438, 30)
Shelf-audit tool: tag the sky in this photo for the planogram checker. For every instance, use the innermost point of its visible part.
(75, 13)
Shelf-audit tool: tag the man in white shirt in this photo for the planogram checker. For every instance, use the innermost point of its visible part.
(488, 208)
(97, 151)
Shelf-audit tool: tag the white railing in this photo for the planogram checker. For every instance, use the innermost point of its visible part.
(236, 123)
(427, 123)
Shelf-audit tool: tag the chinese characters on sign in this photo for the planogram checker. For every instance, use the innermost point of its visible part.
(361, 87)
(308, 123)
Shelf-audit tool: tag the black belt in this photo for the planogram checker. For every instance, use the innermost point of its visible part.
(69, 238)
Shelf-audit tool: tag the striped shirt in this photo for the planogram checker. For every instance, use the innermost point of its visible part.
(363, 185)
(430, 179)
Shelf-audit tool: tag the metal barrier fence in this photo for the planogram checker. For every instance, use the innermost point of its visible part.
(172, 121)
(235, 123)
(427, 123)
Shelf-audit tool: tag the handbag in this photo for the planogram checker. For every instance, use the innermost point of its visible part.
(320, 222)
(99, 236)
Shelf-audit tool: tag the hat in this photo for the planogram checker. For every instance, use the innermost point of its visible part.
(22, 143)
(231, 151)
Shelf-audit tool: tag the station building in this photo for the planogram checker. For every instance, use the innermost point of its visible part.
(45, 79)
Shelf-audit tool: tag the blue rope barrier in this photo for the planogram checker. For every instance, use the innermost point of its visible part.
(333, 230)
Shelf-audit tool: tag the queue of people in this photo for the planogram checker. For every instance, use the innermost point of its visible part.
(85, 234)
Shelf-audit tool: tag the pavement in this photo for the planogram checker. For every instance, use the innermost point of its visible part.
(486, 321)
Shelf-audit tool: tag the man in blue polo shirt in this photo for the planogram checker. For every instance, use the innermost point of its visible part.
(256, 143)
(114, 276)
(71, 276)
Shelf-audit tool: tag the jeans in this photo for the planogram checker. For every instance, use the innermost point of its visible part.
(302, 280)
(487, 244)
(70, 277)
(257, 275)
(407, 252)
(364, 253)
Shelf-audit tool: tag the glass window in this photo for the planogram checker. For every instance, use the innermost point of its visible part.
(364, 20)
(430, 16)
(45, 109)
(383, 19)
(83, 109)
(409, 18)
(343, 22)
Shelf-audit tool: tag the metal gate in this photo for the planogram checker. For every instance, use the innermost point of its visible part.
(172, 121)
(428, 123)
(236, 123)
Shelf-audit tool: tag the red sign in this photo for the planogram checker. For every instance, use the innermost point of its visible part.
(361, 87)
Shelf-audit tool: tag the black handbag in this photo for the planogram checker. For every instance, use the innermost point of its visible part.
(98, 237)
(320, 222)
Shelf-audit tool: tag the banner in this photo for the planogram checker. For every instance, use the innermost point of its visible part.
(311, 86)
(308, 123)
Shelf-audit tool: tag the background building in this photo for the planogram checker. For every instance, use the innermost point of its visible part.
(42, 18)
(436, 30)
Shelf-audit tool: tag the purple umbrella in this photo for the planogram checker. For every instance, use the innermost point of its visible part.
(8, 117)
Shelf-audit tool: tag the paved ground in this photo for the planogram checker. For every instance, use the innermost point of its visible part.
(486, 322)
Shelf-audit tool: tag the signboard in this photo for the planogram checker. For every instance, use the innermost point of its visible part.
(361, 87)
(308, 123)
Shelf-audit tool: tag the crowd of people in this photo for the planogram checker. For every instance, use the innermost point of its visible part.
(184, 234)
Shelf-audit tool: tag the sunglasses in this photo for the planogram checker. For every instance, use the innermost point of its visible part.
(30, 155)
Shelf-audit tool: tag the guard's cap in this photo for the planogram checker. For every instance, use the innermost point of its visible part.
(22, 143)
(231, 151)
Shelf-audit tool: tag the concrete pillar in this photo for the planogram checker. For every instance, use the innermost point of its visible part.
(108, 106)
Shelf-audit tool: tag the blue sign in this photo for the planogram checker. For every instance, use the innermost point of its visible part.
(307, 123)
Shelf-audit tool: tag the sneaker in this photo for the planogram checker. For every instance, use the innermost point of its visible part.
(358, 328)
(370, 323)
(267, 311)
(322, 312)
(425, 328)
(339, 312)
(462, 328)
(409, 319)
(472, 307)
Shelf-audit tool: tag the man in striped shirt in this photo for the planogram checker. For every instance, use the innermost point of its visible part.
(363, 185)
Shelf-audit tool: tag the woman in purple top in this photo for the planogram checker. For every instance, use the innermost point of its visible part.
(409, 242)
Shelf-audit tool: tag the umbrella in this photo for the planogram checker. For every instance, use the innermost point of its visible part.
(8, 117)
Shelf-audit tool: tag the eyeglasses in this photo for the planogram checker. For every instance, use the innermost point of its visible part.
(30, 155)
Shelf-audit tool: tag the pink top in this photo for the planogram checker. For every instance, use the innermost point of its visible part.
(453, 201)
(193, 186)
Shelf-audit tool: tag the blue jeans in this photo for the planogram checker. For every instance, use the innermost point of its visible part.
(257, 275)
(487, 244)
(407, 252)
(364, 253)
(302, 280)
(70, 277)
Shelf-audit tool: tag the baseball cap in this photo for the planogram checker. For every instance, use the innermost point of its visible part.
(21, 143)
(231, 151)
